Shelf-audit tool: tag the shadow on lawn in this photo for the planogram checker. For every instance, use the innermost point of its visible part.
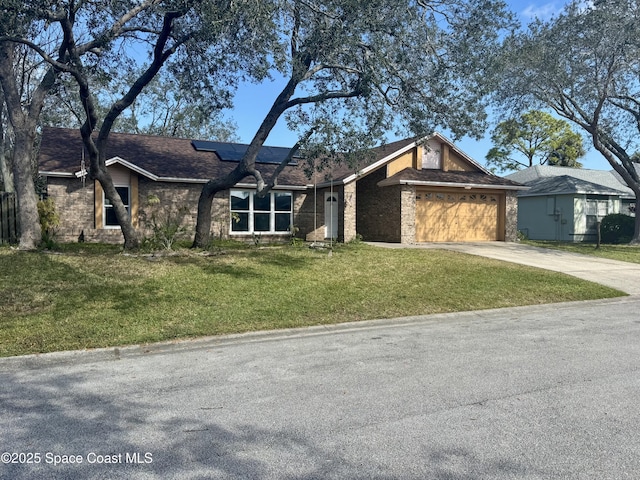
(121, 417)
(226, 264)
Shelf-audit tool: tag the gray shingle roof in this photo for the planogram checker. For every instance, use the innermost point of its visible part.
(566, 185)
(603, 179)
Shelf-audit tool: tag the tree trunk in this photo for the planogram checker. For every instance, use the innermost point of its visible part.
(5, 171)
(203, 222)
(30, 231)
(210, 189)
(131, 237)
(24, 118)
(636, 234)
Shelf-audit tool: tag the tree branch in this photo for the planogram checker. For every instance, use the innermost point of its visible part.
(58, 64)
(117, 28)
(273, 181)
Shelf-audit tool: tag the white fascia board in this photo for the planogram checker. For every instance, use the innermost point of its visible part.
(155, 178)
(181, 180)
(57, 174)
(254, 186)
(132, 167)
(425, 183)
(600, 193)
(124, 163)
(373, 166)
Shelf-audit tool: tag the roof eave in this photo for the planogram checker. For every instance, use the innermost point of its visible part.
(427, 183)
(275, 187)
(551, 194)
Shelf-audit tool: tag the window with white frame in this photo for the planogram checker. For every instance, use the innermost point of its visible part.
(596, 208)
(110, 220)
(269, 214)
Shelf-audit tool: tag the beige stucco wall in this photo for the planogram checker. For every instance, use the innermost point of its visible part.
(407, 160)
(453, 162)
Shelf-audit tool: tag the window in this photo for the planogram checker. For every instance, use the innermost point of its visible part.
(596, 208)
(252, 214)
(110, 220)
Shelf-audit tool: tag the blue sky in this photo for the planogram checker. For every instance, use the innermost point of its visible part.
(253, 101)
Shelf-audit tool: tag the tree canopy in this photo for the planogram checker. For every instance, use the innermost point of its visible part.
(353, 70)
(91, 43)
(584, 64)
(534, 137)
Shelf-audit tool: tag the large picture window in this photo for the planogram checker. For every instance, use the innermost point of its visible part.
(252, 214)
(110, 220)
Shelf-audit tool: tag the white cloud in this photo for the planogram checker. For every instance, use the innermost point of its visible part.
(548, 10)
(543, 12)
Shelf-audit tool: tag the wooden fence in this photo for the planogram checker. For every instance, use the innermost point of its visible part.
(9, 229)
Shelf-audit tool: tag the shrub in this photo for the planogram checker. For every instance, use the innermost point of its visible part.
(49, 221)
(617, 228)
(165, 224)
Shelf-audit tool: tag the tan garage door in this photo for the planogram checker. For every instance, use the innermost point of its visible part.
(457, 217)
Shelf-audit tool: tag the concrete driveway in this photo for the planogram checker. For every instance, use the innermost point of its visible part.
(622, 276)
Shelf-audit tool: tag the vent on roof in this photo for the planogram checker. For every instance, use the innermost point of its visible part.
(233, 152)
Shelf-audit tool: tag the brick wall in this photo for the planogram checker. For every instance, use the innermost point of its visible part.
(408, 214)
(348, 213)
(312, 206)
(75, 205)
(379, 209)
(511, 213)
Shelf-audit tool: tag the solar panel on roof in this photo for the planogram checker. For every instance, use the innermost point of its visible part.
(233, 152)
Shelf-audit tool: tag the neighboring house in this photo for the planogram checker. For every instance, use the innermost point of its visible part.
(407, 191)
(565, 203)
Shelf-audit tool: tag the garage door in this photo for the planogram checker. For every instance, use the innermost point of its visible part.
(457, 217)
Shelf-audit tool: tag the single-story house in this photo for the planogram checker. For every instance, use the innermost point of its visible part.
(566, 203)
(408, 191)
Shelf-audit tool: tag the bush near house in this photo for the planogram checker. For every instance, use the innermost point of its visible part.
(49, 221)
(617, 228)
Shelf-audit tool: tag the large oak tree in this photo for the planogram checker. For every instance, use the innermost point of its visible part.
(585, 66)
(215, 43)
(355, 70)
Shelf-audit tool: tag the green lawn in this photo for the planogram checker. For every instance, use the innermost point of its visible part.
(87, 297)
(624, 253)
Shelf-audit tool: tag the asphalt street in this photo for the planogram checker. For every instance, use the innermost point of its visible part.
(541, 392)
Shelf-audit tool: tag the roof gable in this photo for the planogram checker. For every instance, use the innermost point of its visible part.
(385, 154)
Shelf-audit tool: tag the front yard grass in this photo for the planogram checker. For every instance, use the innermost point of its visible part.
(85, 297)
(624, 253)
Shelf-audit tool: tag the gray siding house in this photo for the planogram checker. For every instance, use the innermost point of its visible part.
(565, 204)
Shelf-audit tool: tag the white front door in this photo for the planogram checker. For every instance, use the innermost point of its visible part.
(330, 215)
